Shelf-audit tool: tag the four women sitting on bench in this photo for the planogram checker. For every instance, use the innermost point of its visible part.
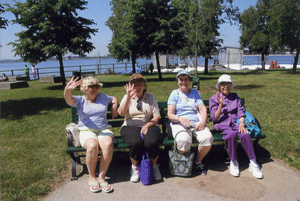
(141, 116)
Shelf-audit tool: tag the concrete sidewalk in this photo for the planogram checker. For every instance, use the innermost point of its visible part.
(280, 182)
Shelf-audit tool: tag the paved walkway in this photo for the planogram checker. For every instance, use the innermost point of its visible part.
(280, 182)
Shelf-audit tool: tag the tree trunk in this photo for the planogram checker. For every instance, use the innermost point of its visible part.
(196, 52)
(296, 61)
(196, 61)
(62, 71)
(206, 66)
(133, 60)
(263, 61)
(158, 66)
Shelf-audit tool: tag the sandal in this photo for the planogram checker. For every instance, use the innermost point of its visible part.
(92, 184)
(106, 185)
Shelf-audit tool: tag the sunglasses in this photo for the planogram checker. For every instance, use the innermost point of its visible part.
(138, 84)
(185, 79)
(94, 86)
(139, 105)
(223, 84)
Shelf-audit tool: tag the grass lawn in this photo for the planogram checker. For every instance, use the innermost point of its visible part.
(33, 120)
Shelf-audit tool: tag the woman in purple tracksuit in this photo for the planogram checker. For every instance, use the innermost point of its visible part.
(225, 108)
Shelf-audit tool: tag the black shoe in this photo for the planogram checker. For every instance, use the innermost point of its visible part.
(201, 169)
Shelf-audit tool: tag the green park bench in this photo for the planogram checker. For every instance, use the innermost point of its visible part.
(88, 73)
(83, 74)
(119, 144)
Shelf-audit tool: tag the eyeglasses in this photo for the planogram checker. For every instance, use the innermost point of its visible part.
(94, 86)
(139, 105)
(223, 84)
(185, 79)
(138, 84)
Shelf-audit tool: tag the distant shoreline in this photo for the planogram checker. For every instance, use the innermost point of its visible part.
(91, 58)
(77, 58)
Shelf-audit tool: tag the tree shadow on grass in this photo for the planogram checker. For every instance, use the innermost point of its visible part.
(249, 86)
(291, 72)
(55, 87)
(16, 109)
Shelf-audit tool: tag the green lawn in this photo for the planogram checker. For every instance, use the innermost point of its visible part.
(33, 120)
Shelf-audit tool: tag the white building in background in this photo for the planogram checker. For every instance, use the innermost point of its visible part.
(231, 57)
(163, 61)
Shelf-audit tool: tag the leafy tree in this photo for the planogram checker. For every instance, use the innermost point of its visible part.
(206, 16)
(3, 21)
(284, 26)
(143, 27)
(53, 28)
(254, 27)
(123, 45)
(166, 35)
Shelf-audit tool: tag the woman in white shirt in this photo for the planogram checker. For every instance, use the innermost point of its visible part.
(141, 116)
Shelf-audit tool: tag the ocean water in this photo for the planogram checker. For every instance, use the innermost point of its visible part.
(52, 67)
(104, 65)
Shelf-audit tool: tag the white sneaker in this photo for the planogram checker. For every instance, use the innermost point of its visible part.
(256, 171)
(134, 175)
(234, 169)
(156, 173)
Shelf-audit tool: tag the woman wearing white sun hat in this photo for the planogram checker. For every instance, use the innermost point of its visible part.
(225, 108)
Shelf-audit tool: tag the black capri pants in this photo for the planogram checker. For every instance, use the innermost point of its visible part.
(135, 143)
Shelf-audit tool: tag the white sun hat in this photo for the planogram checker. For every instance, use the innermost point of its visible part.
(224, 78)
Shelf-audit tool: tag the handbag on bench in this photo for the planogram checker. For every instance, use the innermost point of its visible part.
(180, 164)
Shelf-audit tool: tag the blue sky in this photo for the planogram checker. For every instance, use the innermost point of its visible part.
(99, 11)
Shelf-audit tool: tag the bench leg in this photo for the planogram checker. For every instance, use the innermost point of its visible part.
(74, 177)
(75, 161)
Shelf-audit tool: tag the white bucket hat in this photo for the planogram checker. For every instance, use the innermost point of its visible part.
(224, 78)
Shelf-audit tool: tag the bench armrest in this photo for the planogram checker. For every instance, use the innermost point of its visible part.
(70, 139)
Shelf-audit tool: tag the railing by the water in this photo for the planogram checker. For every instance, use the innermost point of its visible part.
(113, 68)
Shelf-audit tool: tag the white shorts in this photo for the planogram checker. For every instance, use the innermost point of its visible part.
(87, 133)
(184, 140)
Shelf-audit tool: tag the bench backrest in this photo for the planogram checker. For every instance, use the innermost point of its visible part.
(163, 107)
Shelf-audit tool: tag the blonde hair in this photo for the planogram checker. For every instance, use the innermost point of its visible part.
(140, 76)
(89, 81)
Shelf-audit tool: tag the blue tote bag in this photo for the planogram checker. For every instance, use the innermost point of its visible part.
(251, 124)
(146, 168)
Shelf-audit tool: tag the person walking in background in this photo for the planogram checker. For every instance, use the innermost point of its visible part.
(26, 71)
(95, 132)
(182, 104)
(33, 71)
(225, 108)
(151, 67)
(141, 117)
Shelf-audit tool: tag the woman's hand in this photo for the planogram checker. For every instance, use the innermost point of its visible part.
(200, 126)
(73, 84)
(242, 129)
(220, 98)
(130, 89)
(185, 122)
(144, 129)
(219, 110)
